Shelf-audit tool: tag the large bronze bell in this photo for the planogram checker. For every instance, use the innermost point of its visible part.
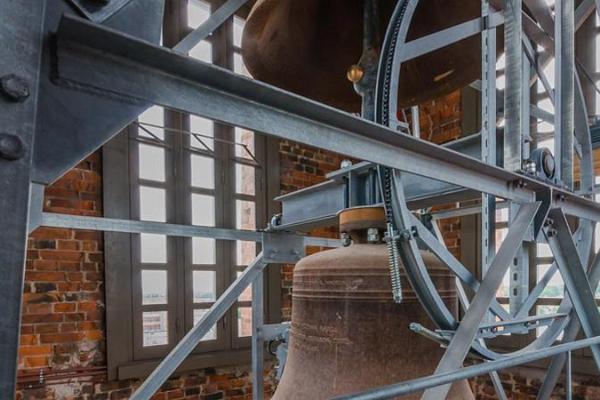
(306, 46)
(347, 333)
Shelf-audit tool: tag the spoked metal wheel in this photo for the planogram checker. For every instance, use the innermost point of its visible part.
(567, 248)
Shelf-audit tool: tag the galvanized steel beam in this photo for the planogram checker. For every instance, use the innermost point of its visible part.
(133, 64)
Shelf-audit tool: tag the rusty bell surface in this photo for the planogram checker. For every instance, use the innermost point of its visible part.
(347, 334)
(307, 46)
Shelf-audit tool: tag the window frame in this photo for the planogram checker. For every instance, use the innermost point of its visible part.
(126, 357)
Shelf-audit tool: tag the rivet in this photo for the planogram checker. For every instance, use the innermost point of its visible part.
(14, 87)
(11, 147)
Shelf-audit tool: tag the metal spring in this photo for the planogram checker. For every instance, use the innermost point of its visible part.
(394, 260)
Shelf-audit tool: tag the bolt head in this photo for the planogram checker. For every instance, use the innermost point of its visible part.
(11, 147)
(355, 73)
(14, 87)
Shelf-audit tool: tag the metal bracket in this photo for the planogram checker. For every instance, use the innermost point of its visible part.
(99, 10)
(274, 331)
(282, 247)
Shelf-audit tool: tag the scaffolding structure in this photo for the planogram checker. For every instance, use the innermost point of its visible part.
(73, 73)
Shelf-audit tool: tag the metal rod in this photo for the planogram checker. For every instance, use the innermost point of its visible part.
(513, 38)
(488, 137)
(210, 25)
(443, 38)
(258, 359)
(569, 377)
(416, 123)
(415, 385)
(564, 86)
(53, 220)
(170, 363)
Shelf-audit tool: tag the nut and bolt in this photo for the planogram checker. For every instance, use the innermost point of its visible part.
(345, 164)
(519, 183)
(11, 147)
(530, 167)
(373, 235)
(14, 87)
(405, 235)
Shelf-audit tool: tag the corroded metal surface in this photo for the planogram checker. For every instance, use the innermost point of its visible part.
(348, 334)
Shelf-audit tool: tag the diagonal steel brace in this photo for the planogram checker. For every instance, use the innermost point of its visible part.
(467, 330)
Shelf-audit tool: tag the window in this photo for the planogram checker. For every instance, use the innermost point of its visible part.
(183, 169)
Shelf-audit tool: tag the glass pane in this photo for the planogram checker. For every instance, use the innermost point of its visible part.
(246, 138)
(500, 235)
(244, 179)
(212, 333)
(154, 287)
(203, 210)
(204, 127)
(555, 288)
(247, 293)
(238, 65)
(203, 251)
(543, 250)
(501, 214)
(244, 316)
(153, 248)
(238, 30)
(203, 172)
(245, 212)
(198, 12)
(152, 204)
(152, 162)
(154, 116)
(205, 286)
(202, 51)
(155, 328)
(546, 310)
(246, 252)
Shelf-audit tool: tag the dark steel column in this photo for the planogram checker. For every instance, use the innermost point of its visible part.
(21, 24)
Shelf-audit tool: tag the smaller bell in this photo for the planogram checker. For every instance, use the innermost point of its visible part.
(347, 334)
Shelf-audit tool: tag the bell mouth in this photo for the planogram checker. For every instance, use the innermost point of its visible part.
(356, 221)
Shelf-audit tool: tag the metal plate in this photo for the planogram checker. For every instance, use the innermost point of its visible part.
(282, 247)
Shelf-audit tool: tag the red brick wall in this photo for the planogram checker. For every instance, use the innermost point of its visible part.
(300, 167)
(62, 353)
